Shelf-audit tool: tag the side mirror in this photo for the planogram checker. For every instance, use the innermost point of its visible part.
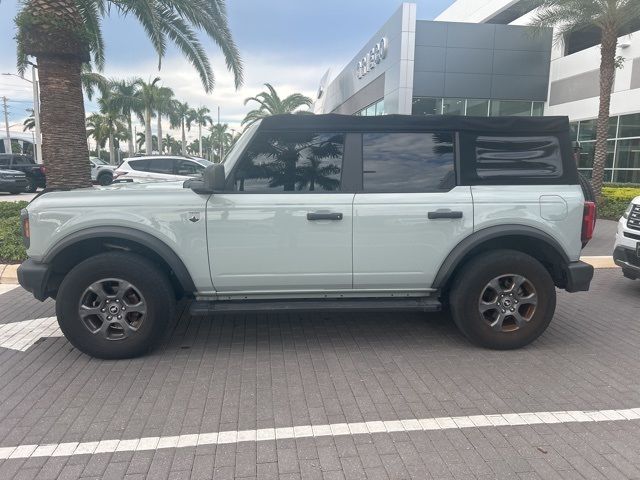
(213, 180)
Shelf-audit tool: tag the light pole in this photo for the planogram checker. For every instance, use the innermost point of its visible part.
(36, 108)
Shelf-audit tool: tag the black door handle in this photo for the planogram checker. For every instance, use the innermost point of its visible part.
(444, 214)
(324, 216)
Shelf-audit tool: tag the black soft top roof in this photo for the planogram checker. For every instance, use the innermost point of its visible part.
(498, 125)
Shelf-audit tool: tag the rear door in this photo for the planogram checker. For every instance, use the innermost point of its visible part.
(285, 225)
(410, 213)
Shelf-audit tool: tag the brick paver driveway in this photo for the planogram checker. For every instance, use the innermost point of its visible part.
(329, 396)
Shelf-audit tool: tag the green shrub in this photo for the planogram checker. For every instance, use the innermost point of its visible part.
(11, 248)
(615, 200)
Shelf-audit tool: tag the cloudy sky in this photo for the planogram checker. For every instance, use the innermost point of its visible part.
(289, 43)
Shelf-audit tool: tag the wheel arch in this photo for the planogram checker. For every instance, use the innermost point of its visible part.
(85, 243)
(522, 238)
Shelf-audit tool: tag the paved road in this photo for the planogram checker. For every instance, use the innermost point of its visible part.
(603, 239)
(329, 396)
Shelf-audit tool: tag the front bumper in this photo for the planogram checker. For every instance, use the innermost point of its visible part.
(579, 276)
(10, 185)
(34, 277)
(628, 259)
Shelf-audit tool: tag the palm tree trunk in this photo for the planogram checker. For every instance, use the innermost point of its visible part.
(148, 139)
(607, 76)
(184, 140)
(64, 134)
(131, 142)
(112, 151)
(160, 139)
(200, 138)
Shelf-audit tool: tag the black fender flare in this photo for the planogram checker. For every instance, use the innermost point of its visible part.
(147, 240)
(460, 251)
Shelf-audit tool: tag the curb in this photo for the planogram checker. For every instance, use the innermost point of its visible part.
(9, 274)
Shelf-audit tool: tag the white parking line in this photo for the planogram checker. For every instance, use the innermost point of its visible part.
(330, 430)
(7, 287)
(21, 335)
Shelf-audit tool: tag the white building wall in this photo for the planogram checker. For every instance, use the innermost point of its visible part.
(474, 11)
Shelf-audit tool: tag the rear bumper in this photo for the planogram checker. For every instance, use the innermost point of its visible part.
(579, 276)
(34, 278)
(627, 258)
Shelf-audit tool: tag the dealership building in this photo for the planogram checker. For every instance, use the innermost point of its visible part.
(482, 58)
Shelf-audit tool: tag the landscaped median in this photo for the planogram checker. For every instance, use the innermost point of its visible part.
(615, 200)
(12, 251)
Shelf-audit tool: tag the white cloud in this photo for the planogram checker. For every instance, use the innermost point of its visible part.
(286, 74)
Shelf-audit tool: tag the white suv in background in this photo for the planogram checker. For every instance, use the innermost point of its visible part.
(160, 167)
(626, 252)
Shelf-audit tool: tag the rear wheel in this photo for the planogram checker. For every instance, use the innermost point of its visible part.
(503, 299)
(105, 179)
(115, 305)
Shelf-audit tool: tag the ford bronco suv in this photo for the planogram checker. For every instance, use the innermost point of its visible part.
(485, 216)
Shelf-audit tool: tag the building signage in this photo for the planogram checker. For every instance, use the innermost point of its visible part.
(372, 58)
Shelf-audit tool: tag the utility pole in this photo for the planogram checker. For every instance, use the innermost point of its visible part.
(6, 124)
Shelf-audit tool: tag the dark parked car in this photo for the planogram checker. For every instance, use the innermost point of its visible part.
(12, 181)
(25, 163)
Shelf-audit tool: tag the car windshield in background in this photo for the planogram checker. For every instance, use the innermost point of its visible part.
(99, 161)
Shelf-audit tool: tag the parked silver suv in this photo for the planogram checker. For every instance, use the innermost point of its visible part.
(485, 216)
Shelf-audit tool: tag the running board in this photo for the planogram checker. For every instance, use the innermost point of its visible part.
(202, 308)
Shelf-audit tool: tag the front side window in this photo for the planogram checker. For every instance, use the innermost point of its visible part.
(408, 162)
(291, 162)
(522, 157)
(139, 165)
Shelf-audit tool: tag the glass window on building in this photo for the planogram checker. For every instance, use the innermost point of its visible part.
(537, 110)
(426, 106)
(587, 152)
(518, 108)
(628, 154)
(454, 106)
(478, 108)
(629, 126)
(573, 126)
(626, 176)
(588, 129)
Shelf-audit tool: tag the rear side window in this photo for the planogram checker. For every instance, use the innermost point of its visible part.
(517, 157)
(408, 162)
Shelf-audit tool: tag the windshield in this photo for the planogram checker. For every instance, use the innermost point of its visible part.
(237, 149)
(99, 161)
(202, 161)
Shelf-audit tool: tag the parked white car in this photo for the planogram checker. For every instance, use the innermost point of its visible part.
(626, 251)
(101, 171)
(160, 167)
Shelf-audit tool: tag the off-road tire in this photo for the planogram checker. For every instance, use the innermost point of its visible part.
(472, 280)
(151, 283)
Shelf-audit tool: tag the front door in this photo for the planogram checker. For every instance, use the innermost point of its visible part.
(410, 213)
(285, 224)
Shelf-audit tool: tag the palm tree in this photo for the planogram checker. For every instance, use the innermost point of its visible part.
(29, 122)
(124, 96)
(97, 128)
(611, 17)
(113, 118)
(164, 97)
(141, 140)
(173, 145)
(270, 103)
(181, 116)
(201, 118)
(222, 139)
(147, 96)
(65, 34)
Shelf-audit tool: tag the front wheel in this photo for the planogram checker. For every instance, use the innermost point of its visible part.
(105, 179)
(31, 186)
(115, 305)
(503, 299)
